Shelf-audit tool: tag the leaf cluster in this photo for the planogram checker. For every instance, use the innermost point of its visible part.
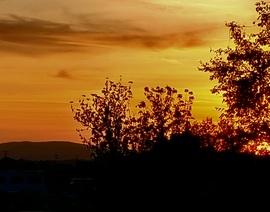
(242, 72)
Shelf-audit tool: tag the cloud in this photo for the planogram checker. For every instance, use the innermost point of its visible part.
(63, 74)
(34, 36)
(145, 40)
(94, 34)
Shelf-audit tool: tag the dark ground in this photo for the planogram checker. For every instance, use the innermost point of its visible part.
(204, 181)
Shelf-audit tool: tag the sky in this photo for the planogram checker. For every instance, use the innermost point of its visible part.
(54, 51)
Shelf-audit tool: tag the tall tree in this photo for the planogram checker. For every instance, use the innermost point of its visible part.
(105, 119)
(242, 72)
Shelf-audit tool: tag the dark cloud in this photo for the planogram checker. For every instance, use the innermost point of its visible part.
(34, 36)
(38, 37)
(144, 40)
(63, 74)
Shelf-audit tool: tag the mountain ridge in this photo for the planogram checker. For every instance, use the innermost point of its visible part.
(44, 150)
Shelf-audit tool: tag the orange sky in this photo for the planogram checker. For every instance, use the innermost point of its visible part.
(53, 51)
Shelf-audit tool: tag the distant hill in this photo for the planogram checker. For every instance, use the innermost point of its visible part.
(49, 150)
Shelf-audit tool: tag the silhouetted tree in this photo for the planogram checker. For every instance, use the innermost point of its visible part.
(168, 113)
(109, 129)
(105, 119)
(242, 71)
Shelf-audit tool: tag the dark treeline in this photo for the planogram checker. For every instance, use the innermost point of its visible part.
(162, 179)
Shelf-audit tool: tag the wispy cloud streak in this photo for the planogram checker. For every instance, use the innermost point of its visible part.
(35, 36)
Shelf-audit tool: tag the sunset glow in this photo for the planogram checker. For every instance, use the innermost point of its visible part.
(52, 52)
(260, 147)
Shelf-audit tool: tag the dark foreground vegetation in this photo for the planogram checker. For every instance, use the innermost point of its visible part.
(164, 179)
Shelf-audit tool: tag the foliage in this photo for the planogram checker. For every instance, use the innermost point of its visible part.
(168, 113)
(109, 129)
(242, 72)
(106, 119)
(206, 131)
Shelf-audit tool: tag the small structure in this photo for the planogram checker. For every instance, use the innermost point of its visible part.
(22, 180)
